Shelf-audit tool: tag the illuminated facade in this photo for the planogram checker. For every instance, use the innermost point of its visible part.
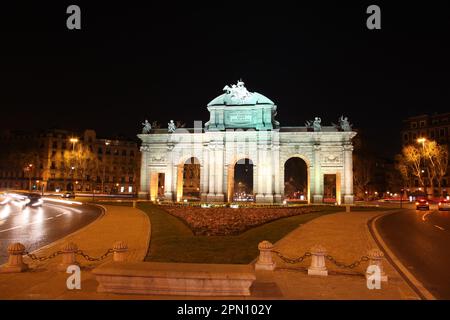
(242, 126)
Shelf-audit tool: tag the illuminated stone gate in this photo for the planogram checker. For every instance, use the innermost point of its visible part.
(242, 125)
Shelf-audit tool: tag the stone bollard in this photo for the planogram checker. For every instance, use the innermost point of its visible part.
(15, 261)
(347, 208)
(265, 261)
(376, 257)
(318, 267)
(69, 250)
(120, 249)
(134, 203)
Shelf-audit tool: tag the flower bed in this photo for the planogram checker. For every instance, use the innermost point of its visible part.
(228, 221)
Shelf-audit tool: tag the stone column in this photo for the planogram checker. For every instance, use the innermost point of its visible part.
(260, 174)
(348, 173)
(212, 182)
(174, 168)
(144, 181)
(276, 174)
(204, 175)
(219, 173)
(153, 184)
(168, 183)
(168, 187)
(268, 177)
(318, 177)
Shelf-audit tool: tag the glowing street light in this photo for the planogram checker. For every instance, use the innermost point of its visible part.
(421, 140)
(73, 141)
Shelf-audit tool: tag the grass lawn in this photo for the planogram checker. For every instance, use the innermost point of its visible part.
(173, 241)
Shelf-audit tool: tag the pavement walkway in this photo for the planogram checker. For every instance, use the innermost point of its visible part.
(344, 235)
(45, 282)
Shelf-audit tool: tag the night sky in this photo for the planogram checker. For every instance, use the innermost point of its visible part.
(130, 62)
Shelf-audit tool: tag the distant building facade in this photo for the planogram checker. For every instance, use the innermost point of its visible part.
(59, 160)
(433, 127)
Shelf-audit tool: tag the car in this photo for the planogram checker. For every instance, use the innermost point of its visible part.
(35, 200)
(444, 205)
(422, 204)
(24, 199)
(68, 194)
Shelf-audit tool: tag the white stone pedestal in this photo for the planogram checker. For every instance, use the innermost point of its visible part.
(318, 267)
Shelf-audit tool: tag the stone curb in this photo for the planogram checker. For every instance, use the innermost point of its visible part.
(409, 278)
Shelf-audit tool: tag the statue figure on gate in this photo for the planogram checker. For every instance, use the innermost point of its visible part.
(345, 124)
(171, 127)
(147, 127)
(317, 124)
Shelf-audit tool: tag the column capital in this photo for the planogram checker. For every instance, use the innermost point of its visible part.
(347, 147)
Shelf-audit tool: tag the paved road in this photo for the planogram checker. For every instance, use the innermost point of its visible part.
(37, 227)
(421, 240)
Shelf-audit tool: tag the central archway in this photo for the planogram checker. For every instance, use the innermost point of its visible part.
(296, 180)
(240, 185)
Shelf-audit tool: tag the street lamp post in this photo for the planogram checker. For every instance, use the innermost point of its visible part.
(104, 167)
(28, 169)
(73, 140)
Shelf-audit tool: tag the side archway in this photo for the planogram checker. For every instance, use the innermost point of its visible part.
(188, 182)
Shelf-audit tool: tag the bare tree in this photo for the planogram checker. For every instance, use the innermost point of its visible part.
(441, 165)
(412, 160)
(84, 162)
(431, 159)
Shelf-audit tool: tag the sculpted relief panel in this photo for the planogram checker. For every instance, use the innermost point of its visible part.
(331, 159)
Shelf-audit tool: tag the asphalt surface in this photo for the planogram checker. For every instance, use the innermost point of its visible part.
(38, 227)
(421, 240)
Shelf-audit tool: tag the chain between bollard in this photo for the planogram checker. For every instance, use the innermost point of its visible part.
(292, 260)
(89, 258)
(34, 257)
(347, 266)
